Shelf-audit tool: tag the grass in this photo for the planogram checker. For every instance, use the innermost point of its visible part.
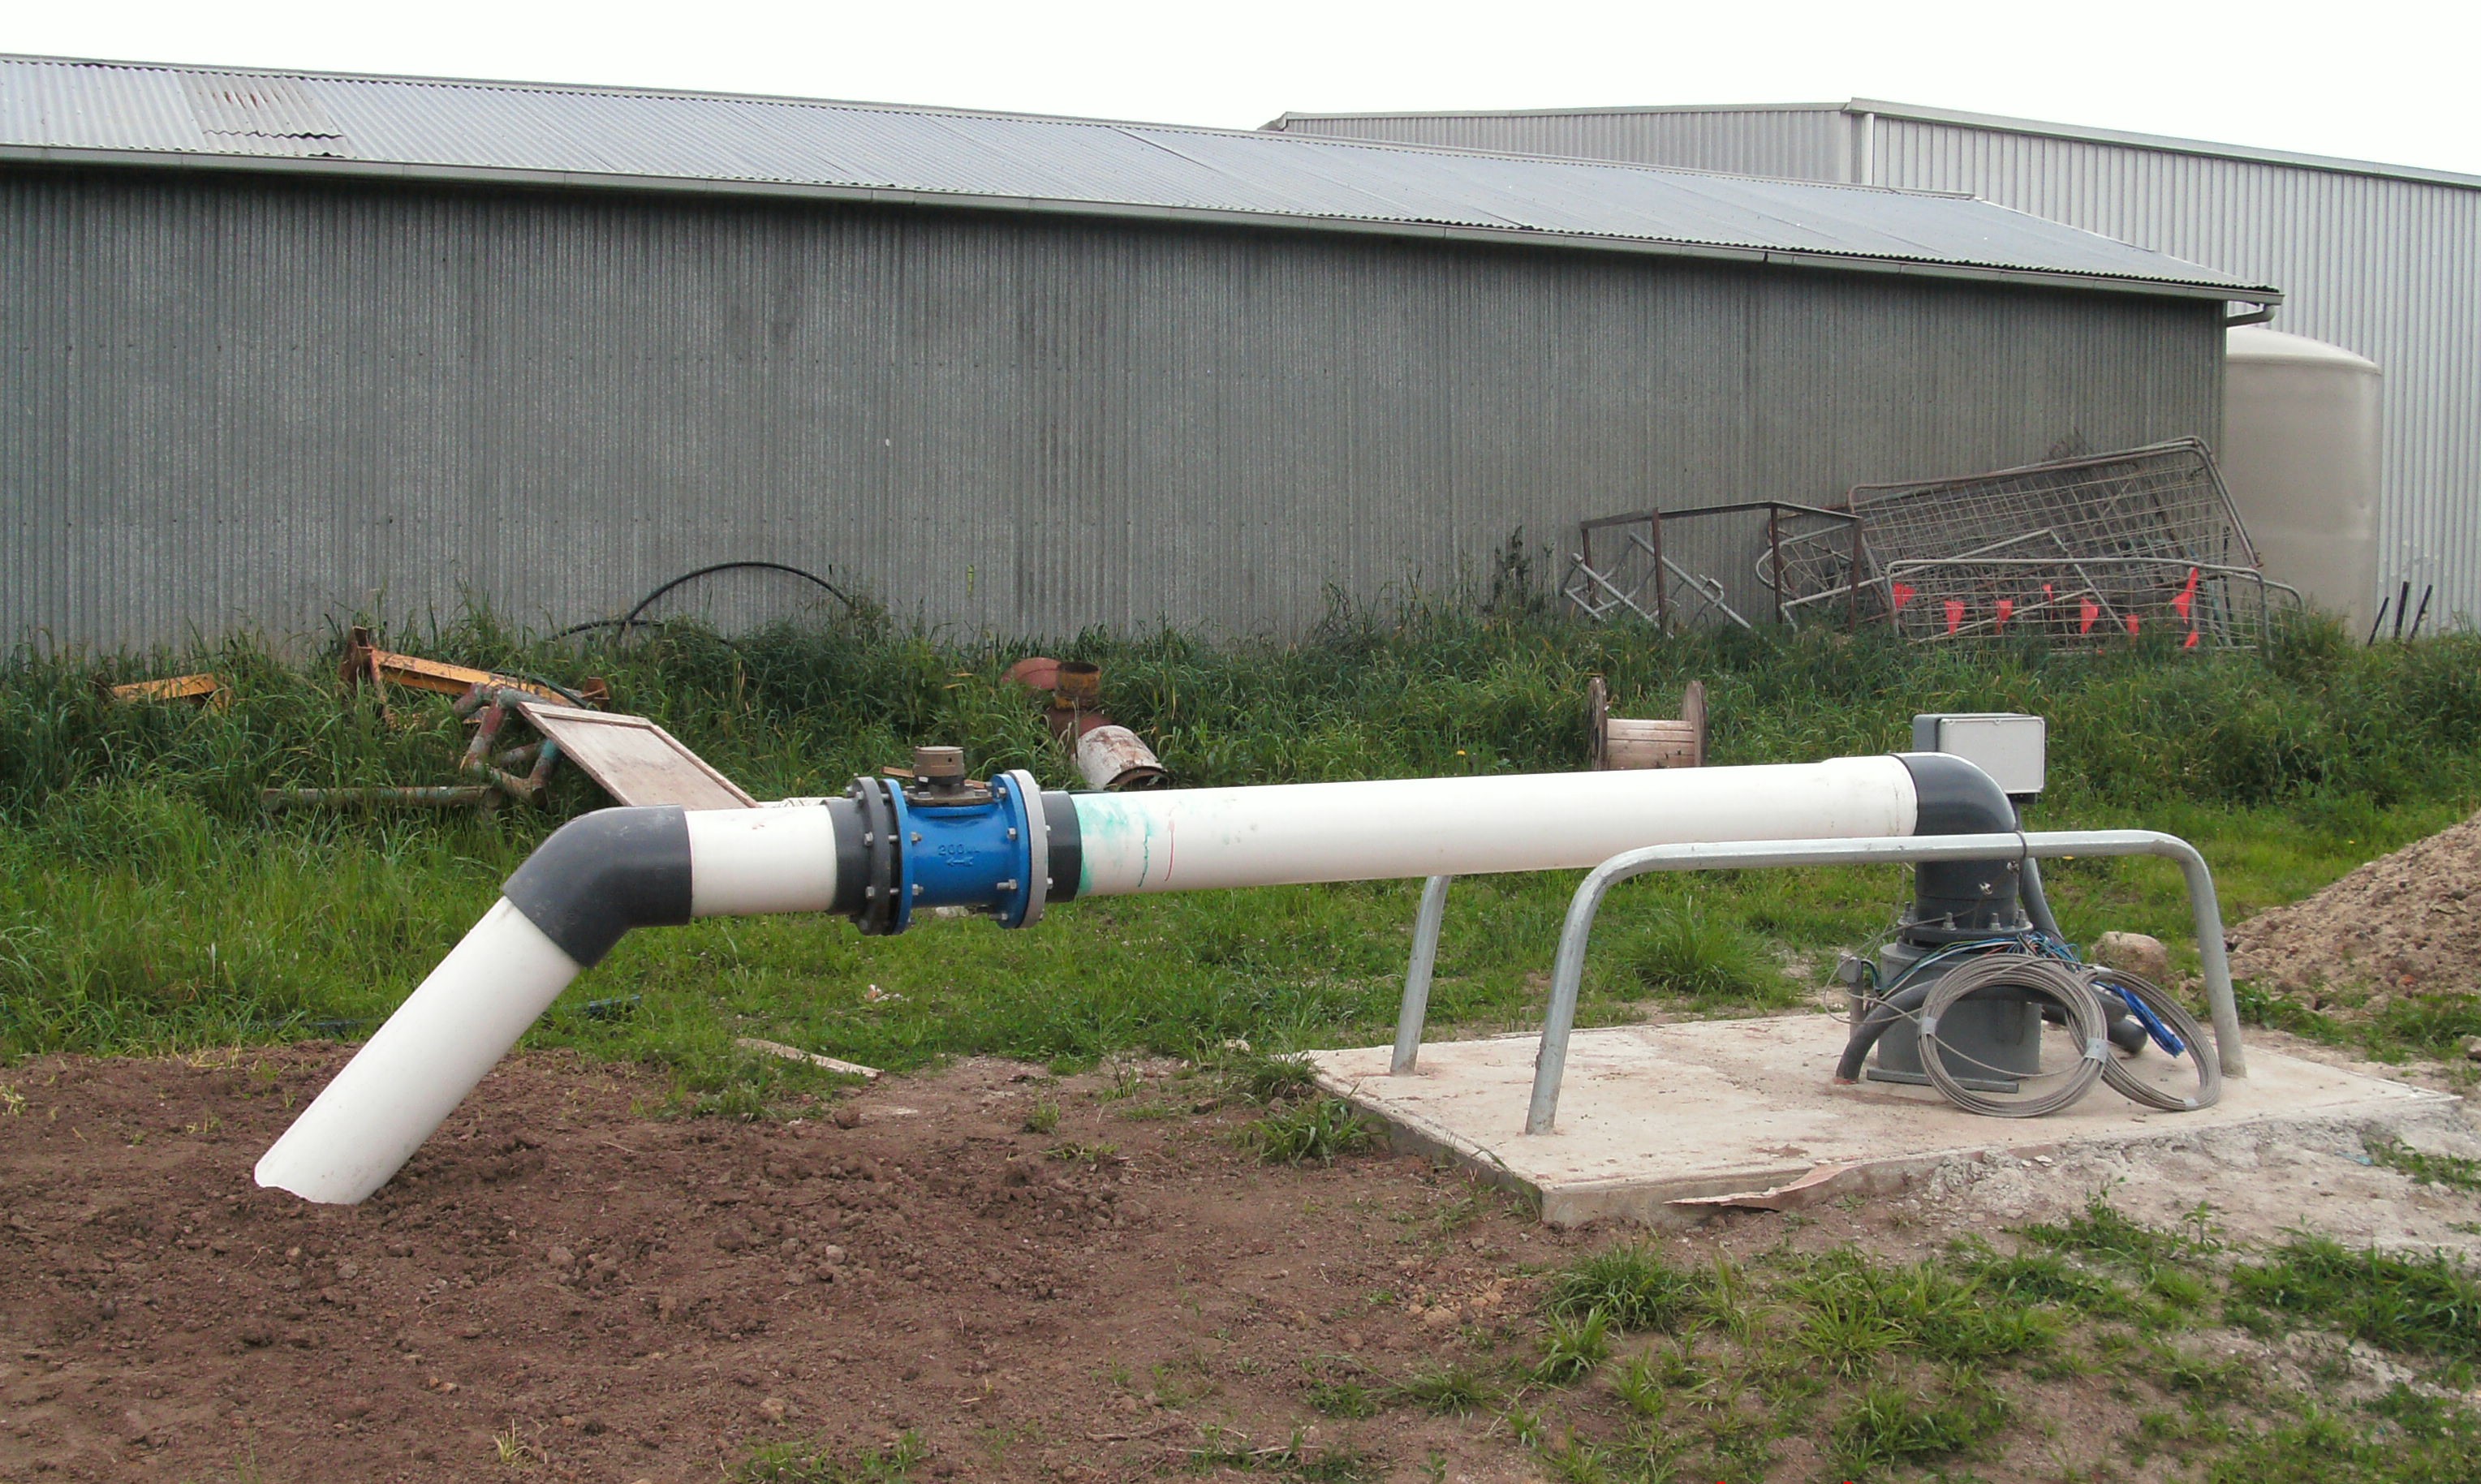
(2374, 1447)
(818, 1463)
(744, 1086)
(2453, 1171)
(1886, 1426)
(1450, 1390)
(1708, 962)
(1937, 1368)
(1340, 1387)
(1260, 1078)
(2165, 1260)
(1316, 1132)
(1293, 1459)
(1574, 1348)
(1857, 1310)
(2415, 1304)
(1079, 1152)
(1630, 1285)
(2038, 1277)
(2434, 1026)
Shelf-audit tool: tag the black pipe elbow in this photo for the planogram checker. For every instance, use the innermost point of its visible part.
(601, 874)
(1955, 797)
(1960, 898)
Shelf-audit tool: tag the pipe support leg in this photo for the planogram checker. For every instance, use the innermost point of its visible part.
(1416, 1007)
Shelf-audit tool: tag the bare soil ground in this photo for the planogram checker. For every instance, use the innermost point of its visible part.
(563, 1287)
(2405, 923)
(561, 1283)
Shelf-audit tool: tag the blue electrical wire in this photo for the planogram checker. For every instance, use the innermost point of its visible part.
(2162, 1035)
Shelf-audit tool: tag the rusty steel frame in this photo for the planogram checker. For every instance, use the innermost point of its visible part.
(488, 707)
(365, 663)
(441, 795)
(1586, 574)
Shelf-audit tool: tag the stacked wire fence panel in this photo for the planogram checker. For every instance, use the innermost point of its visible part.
(2077, 552)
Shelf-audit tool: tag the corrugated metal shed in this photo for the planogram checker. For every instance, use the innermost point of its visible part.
(2383, 260)
(85, 112)
(276, 390)
(268, 403)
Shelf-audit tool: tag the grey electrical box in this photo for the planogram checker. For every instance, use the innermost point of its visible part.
(2012, 749)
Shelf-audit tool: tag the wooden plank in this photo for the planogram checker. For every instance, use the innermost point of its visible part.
(752, 1043)
(1635, 729)
(205, 688)
(634, 760)
(1626, 753)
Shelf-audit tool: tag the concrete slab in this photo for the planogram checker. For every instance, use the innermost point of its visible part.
(1658, 1121)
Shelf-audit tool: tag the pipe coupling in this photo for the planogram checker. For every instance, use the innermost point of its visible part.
(995, 848)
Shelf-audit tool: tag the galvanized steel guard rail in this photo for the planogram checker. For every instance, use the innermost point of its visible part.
(1569, 968)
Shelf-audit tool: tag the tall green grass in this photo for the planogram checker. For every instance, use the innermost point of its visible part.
(146, 902)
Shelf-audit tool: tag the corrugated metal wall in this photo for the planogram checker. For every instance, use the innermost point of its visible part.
(2390, 268)
(1811, 143)
(226, 403)
(2387, 267)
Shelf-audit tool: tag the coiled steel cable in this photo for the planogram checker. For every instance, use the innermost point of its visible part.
(2042, 979)
(2104, 982)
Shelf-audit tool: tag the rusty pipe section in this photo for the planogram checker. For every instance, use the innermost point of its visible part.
(489, 708)
(1106, 754)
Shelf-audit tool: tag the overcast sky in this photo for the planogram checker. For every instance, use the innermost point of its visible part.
(2381, 81)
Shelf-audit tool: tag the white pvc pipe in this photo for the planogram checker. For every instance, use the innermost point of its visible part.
(1186, 840)
(410, 1076)
(467, 1015)
(462, 1019)
(743, 862)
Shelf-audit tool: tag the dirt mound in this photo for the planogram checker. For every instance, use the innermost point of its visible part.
(2404, 924)
(561, 1283)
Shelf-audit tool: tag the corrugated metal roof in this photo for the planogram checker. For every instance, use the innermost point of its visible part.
(119, 112)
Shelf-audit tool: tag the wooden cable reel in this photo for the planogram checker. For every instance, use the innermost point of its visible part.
(1619, 743)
